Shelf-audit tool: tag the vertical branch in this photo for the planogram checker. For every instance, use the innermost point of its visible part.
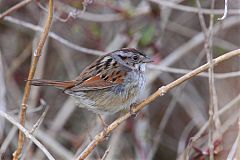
(238, 142)
(213, 106)
(27, 89)
(213, 109)
(2, 96)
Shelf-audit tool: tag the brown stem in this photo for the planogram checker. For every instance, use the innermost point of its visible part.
(37, 55)
(14, 8)
(160, 92)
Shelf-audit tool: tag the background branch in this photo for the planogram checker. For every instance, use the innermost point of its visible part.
(160, 92)
(14, 8)
(27, 89)
(27, 134)
(167, 31)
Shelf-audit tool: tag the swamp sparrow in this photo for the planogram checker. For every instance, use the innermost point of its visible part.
(111, 83)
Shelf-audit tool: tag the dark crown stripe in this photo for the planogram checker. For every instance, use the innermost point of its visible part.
(133, 50)
(123, 57)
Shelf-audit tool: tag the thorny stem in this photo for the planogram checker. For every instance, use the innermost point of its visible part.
(27, 89)
(160, 92)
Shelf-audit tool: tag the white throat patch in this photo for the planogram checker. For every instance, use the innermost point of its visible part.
(141, 67)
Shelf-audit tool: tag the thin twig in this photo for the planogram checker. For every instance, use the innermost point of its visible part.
(3, 91)
(57, 148)
(27, 134)
(189, 33)
(27, 89)
(39, 121)
(169, 110)
(115, 143)
(166, 116)
(106, 153)
(212, 91)
(238, 143)
(214, 121)
(13, 130)
(36, 125)
(174, 56)
(235, 146)
(106, 17)
(5, 144)
(213, 108)
(72, 13)
(192, 43)
(54, 36)
(184, 137)
(225, 11)
(160, 92)
(14, 8)
(185, 8)
(223, 110)
(184, 71)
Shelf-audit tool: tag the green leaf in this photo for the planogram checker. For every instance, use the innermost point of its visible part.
(96, 30)
(218, 51)
(147, 35)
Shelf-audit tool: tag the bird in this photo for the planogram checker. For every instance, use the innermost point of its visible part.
(111, 83)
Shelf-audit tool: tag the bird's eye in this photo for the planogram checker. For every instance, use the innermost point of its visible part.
(135, 57)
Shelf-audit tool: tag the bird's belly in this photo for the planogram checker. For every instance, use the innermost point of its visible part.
(106, 100)
(113, 99)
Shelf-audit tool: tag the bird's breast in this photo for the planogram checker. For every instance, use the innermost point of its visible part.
(133, 85)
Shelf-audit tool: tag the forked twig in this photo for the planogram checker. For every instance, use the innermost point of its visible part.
(160, 92)
(27, 89)
(36, 125)
(14, 8)
(27, 134)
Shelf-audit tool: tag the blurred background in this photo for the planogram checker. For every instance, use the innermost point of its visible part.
(176, 34)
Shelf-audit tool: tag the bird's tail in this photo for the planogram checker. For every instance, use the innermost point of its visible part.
(57, 84)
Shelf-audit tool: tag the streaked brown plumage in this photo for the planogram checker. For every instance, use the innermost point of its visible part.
(109, 84)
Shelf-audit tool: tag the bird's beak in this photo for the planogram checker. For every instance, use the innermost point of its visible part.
(147, 60)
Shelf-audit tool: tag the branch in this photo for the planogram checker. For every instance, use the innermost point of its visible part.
(35, 126)
(37, 55)
(160, 92)
(54, 36)
(185, 8)
(27, 133)
(213, 105)
(14, 8)
(226, 108)
(3, 92)
(107, 17)
(174, 56)
(234, 151)
(222, 75)
(225, 11)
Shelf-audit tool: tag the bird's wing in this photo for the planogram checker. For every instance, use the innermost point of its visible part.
(100, 76)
